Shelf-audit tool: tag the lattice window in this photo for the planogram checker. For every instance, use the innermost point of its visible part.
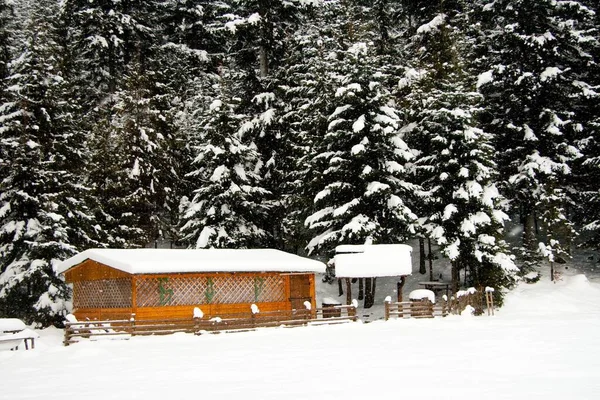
(177, 291)
(106, 293)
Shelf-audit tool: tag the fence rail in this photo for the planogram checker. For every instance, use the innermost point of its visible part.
(229, 322)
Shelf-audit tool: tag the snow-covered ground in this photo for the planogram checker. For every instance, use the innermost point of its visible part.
(544, 344)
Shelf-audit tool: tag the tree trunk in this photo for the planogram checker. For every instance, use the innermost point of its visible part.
(529, 231)
(348, 292)
(430, 258)
(373, 291)
(370, 286)
(422, 256)
(455, 277)
(367, 302)
(361, 292)
(340, 287)
(264, 62)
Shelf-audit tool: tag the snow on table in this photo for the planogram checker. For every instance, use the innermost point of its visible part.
(330, 301)
(420, 294)
(11, 325)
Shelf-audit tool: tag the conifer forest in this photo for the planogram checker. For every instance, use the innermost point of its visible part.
(297, 125)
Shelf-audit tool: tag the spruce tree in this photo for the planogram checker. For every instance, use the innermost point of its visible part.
(227, 207)
(360, 159)
(531, 87)
(462, 208)
(43, 209)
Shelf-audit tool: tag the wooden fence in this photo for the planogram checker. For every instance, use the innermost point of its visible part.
(74, 331)
(414, 309)
(456, 304)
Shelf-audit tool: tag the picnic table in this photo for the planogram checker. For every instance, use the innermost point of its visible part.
(437, 286)
(13, 332)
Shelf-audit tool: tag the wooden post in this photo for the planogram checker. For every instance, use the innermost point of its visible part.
(132, 324)
(348, 292)
(400, 286)
(133, 294)
(350, 311)
(489, 299)
(387, 309)
(67, 334)
(340, 287)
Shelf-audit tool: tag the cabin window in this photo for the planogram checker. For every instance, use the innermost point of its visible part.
(104, 293)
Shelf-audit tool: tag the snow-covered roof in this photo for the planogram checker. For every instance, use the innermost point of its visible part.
(373, 260)
(160, 261)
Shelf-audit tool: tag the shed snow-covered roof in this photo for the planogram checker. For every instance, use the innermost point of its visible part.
(374, 260)
(161, 261)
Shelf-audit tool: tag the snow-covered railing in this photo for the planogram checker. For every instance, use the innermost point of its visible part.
(200, 324)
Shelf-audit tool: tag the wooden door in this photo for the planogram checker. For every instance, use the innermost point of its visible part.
(299, 291)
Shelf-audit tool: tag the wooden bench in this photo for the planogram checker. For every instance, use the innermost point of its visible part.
(13, 332)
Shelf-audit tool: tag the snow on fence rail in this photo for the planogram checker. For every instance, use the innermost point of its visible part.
(75, 330)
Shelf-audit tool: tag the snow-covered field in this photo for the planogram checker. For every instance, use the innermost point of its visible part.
(544, 344)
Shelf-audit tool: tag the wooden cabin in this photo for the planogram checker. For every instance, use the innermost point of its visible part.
(170, 283)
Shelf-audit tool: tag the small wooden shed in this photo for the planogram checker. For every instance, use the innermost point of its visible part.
(170, 283)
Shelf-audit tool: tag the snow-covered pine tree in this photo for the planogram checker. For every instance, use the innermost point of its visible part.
(304, 80)
(531, 85)
(426, 46)
(107, 40)
(455, 158)
(260, 33)
(466, 217)
(193, 41)
(227, 208)
(43, 213)
(104, 35)
(137, 194)
(359, 189)
(587, 168)
(6, 12)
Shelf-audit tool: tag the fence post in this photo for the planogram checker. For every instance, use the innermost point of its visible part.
(67, 334)
(255, 310)
(132, 324)
(489, 299)
(386, 303)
